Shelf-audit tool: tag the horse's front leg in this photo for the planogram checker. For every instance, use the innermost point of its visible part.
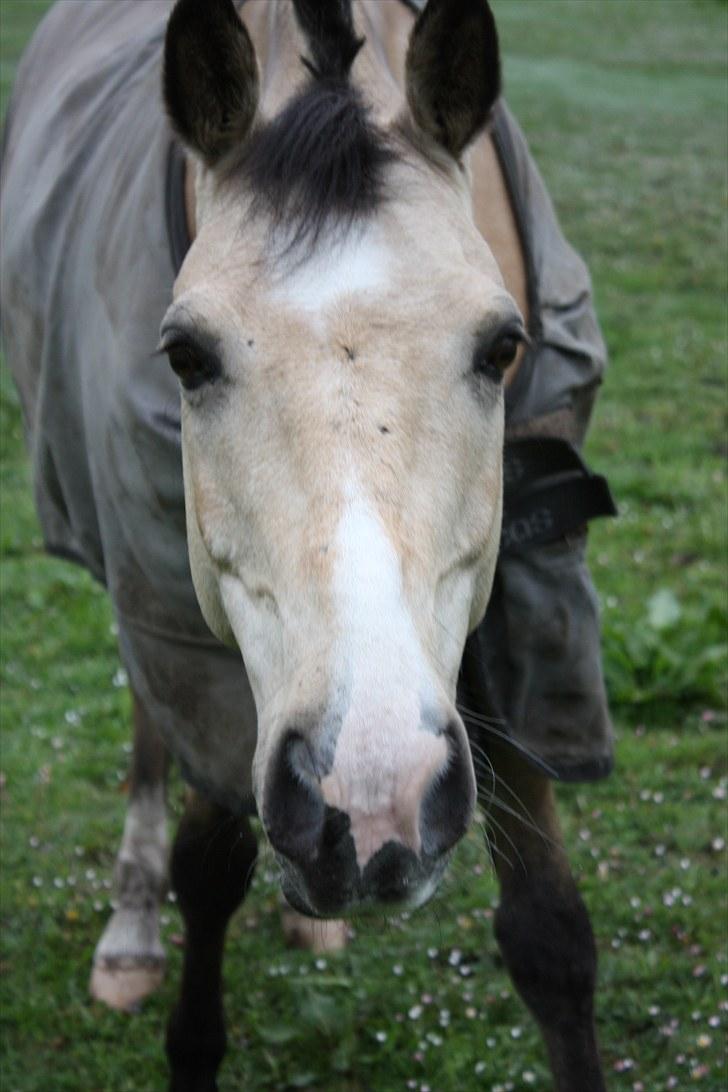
(542, 925)
(129, 960)
(212, 865)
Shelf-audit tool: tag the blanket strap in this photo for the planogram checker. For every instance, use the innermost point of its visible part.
(548, 493)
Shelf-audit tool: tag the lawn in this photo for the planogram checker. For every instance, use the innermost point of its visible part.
(625, 103)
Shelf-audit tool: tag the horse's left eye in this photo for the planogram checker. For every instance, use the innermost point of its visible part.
(493, 360)
(192, 368)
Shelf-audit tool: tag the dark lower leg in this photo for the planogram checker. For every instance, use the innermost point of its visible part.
(212, 866)
(542, 925)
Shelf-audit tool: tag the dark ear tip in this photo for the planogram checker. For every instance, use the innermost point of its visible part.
(210, 76)
(453, 71)
(203, 10)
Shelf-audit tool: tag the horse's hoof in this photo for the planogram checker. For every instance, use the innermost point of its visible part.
(312, 933)
(124, 987)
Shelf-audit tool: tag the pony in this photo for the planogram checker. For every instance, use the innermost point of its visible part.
(342, 329)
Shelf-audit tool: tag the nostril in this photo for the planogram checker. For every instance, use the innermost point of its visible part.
(337, 825)
(293, 810)
(448, 805)
(390, 872)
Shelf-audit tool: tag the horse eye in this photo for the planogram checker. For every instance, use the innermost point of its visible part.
(494, 360)
(192, 368)
(504, 351)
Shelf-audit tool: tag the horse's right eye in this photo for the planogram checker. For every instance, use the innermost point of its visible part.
(193, 368)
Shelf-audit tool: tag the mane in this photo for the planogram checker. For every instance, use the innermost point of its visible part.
(320, 163)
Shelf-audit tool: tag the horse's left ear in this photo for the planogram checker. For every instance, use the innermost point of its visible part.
(210, 77)
(453, 71)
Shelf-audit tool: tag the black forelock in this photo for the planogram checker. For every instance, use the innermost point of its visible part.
(321, 161)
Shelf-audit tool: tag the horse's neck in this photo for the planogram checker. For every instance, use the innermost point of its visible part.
(379, 71)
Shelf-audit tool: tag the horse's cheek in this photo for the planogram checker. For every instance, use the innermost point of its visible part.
(204, 575)
(205, 582)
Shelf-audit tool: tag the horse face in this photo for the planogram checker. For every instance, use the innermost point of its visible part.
(342, 427)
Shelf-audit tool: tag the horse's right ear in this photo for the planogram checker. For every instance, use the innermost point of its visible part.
(453, 71)
(210, 77)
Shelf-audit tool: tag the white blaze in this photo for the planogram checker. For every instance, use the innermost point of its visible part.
(350, 266)
(384, 758)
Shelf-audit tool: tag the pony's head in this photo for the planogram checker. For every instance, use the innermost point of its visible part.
(340, 331)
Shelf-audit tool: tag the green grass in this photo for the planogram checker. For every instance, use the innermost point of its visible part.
(625, 105)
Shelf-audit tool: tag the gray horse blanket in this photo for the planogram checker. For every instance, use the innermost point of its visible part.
(92, 236)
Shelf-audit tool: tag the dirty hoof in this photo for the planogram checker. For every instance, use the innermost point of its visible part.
(311, 933)
(125, 987)
(129, 960)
